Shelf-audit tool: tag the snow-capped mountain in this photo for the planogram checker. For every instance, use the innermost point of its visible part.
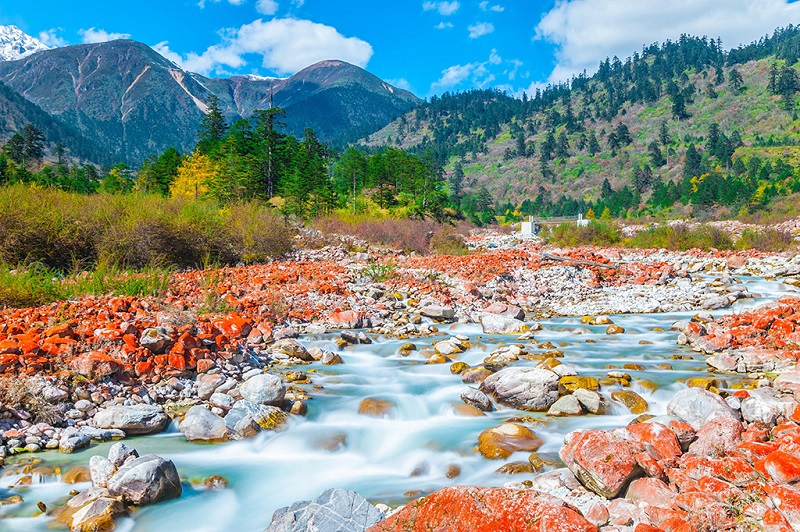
(16, 44)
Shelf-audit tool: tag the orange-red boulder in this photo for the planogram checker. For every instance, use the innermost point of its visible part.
(472, 509)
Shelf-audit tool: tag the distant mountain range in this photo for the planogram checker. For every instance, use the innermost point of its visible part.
(129, 101)
(16, 44)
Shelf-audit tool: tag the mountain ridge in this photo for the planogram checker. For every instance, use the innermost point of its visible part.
(133, 101)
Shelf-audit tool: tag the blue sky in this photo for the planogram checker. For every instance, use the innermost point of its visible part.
(427, 46)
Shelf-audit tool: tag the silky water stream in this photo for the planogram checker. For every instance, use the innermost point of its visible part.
(390, 459)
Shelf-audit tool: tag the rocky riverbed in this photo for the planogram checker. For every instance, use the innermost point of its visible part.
(226, 356)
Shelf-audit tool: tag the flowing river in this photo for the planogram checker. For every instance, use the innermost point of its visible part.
(392, 459)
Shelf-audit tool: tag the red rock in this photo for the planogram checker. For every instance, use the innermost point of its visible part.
(755, 450)
(716, 437)
(650, 466)
(736, 261)
(177, 361)
(720, 489)
(9, 347)
(781, 328)
(693, 501)
(62, 330)
(347, 319)
(783, 467)
(774, 521)
(597, 513)
(641, 527)
(234, 326)
(472, 509)
(659, 515)
(603, 462)
(95, 364)
(203, 365)
(786, 500)
(651, 490)
(144, 368)
(659, 441)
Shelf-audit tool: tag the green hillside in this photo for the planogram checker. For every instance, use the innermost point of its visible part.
(732, 111)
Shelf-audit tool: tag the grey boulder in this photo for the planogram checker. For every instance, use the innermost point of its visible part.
(497, 324)
(335, 510)
(137, 419)
(478, 399)
(697, 406)
(200, 424)
(437, 312)
(246, 419)
(72, 439)
(146, 480)
(265, 389)
(533, 389)
(765, 405)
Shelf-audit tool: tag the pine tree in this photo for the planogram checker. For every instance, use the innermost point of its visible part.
(212, 126)
(594, 146)
(663, 134)
(268, 121)
(34, 144)
(656, 157)
(736, 82)
(562, 146)
(15, 148)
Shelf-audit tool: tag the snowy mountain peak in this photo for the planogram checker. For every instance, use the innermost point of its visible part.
(15, 44)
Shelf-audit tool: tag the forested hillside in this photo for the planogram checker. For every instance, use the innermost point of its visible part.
(682, 123)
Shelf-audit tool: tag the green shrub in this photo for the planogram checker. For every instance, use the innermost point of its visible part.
(766, 240)
(596, 233)
(681, 237)
(446, 241)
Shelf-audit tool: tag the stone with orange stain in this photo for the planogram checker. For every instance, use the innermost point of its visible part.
(602, 461)
(783, 467)
(473, 509)
(234, 326)
(650, 490)
(661, 442)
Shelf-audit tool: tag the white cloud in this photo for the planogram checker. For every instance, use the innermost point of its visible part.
(587, 31)
(93, 35)
(285, 46)
(400, 83)
(512, 74)
(444, 25)
(267, 7)
(444, 8)
(496, 8)
(477, 74)
(202, 3)
(480, 29)
(52, 38)
(453, 75)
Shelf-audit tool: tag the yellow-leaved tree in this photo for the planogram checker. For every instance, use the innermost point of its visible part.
(195, 174)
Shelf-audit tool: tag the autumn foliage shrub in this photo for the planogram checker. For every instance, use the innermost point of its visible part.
(406, 234)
